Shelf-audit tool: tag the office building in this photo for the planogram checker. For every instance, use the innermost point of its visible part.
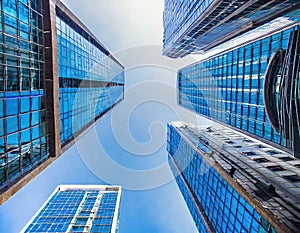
(56, 80)
(252, 87)
(78, 208)
(232, 182)
(193, 25)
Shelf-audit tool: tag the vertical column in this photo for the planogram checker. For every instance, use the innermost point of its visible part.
(94, 211)
(51, 77)
(295, 100)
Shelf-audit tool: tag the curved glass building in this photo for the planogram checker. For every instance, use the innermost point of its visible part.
(253, 87)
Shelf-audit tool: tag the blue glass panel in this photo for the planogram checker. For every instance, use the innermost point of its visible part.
(25, 120)
(13, 141)
(10, 7)
(11, 124)
(35, 118)
(12, 106)
(1, 108)
(10, 25)
(23, 13)
(25, 105)
(25, 136)
(1, 127)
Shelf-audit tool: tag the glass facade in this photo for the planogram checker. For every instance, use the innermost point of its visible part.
(23, 137)
(229, 87)
(225, 209)
(193, 25)
(178, 17)
(91, 81)
(78, 210)
(188, 199)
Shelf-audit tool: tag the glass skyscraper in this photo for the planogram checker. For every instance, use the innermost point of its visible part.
(23, 135)
(78, 208)
(253, 87)
(243, 176)
(234, 183)
(90, 80)
(56, 80)
(193, 25)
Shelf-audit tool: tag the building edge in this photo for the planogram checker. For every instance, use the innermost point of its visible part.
(51, 78)
(67, 12)
(115, 223)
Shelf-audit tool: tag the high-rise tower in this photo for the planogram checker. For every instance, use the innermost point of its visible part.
(248, 81)
(193, 25)
(78, 208)
(56, 80)
(252, 87)
(234, 183)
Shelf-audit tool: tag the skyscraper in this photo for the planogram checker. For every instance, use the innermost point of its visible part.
(232, 182)
(56, 80)
(192, 25)
(245, 181)
(252, 87)
(78, 208)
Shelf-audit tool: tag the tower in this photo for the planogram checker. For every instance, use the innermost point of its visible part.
(78, 208)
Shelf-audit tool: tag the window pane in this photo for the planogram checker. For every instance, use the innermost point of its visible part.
(12, 78)
(12, 106)
(25, 105)
(12, 124)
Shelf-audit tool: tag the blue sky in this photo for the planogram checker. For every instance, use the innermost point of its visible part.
(127, 146)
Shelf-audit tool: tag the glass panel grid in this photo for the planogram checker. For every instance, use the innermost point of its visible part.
(23, 138)
(229, 87)
(91, 82)
(225, 209)
(191, 25)
(76, 211)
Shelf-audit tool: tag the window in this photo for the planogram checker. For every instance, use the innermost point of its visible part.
(272, 152)
(293, 178)
(286, 159)
(276, 168)
(229, 142)
(249, 153)
(260, 160)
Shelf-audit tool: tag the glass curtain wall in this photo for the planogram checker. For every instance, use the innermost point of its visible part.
(22, 113)
(194, 25)
(229, 87)
(72, 211)
(91, 81)
(224, 208)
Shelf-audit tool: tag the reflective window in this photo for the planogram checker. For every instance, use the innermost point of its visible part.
(21, 108)
(234, 97)
(91, 81)
(193, 25)
(70, 211)
(224, 208)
